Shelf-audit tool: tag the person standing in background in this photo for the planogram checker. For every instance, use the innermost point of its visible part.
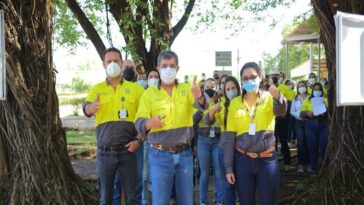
(219, 115)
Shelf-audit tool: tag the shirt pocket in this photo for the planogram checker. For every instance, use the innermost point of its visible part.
(105, 99)
(131, 106)
(161, 108)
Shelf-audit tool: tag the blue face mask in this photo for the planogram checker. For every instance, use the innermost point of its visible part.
(231, 94)
(143, 83)
(251, 86)
(317, 93)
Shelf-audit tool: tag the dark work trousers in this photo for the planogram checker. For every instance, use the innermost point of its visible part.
(281, 132)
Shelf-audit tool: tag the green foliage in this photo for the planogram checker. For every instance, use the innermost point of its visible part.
(68, 32)
(71, 101)
(297, 54)
(79, 85)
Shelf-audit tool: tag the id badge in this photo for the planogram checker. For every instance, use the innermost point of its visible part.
(123, 114)
(212, 132)
(252, 129)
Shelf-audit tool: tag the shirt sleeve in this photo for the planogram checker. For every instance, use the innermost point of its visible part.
(91, 96)
(228, 139)
(143, 114)
(279, 106)
(295, 113)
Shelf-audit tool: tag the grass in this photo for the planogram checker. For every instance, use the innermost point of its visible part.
(80, 141)
(84, 136)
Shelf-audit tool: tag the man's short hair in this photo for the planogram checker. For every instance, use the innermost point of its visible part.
(112, 49)
(211, 79)
(167, 54)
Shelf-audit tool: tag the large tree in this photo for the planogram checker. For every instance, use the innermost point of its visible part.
(147, 26)
(141, 22)
(34, 163)
(341, 180)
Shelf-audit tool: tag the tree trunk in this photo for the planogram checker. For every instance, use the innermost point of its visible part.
(31, 134)
(342, 177)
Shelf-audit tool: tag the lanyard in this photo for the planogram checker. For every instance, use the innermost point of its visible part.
(253, 112)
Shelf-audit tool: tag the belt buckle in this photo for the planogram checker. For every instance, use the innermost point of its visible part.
(159, 147)
(253, 155)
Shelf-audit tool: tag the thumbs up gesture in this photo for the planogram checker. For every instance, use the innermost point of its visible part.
(217, 107)
(94, 106)
(196, 91)
(273, 89)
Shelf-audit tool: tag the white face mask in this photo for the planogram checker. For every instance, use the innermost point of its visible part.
(153, 82)
(302, 90)
(113, 70)
(168, 75)
(311, 81)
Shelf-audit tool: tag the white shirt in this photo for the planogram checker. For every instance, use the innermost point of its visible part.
(296, 107)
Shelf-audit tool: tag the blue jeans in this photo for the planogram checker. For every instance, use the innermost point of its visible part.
(146, 176)
(302, 148)
(259, 175)
(317, 133)
(229, 189)
(117, 183)
(207, 154)
(167, 168)
(109, 163)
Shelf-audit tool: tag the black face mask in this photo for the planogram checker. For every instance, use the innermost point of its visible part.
(275, 80)
(210, 92)
(129, 75)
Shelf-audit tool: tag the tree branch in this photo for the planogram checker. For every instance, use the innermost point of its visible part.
(182, 22)
(87, 27)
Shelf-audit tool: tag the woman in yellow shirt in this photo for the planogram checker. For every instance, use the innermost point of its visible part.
(218, 114)
(250, 137)
(317, 126)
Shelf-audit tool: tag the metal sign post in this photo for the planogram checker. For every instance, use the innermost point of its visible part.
(2, 58)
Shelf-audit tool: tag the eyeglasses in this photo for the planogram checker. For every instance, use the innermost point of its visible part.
(252, 77)
(153, 76)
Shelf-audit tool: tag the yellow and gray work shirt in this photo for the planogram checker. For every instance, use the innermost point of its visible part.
(175, 111)
(238, 123)
(204, 126)
(111, 129)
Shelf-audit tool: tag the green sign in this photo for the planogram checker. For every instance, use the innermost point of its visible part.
(223, 58)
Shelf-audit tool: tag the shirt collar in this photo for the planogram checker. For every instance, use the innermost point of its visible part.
(159, 83)
(108, 82)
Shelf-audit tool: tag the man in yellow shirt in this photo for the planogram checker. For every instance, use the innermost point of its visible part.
(165, 115)
(114, 103)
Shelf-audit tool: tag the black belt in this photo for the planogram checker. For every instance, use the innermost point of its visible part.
(172, 149)
(112, 148)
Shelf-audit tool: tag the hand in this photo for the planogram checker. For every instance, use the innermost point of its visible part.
(94, 106)
(273, 90)
(133, 145)
(196, 91)
(155, 122)
(230, 178)
(217, 108)
(309, 114)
